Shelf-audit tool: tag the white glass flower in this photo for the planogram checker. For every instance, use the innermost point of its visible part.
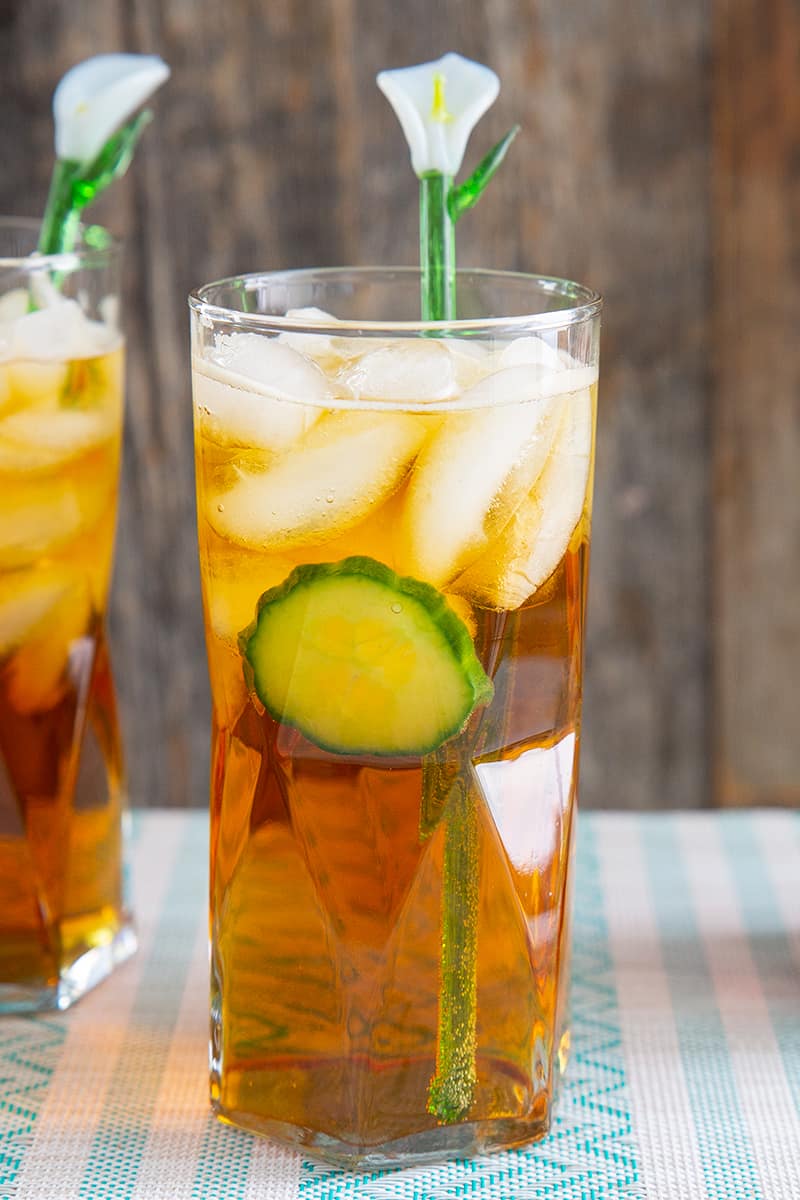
(97, 96)
(438, 104)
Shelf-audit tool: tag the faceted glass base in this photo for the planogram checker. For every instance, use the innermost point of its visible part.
(345, 1114)
(463, 1140)
(84, 973)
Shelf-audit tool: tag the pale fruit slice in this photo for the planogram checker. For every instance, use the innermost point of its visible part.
(41, 616)
(34, 441)
(347, 464)
(408, 372)
(474, 472)
(363, 661)
(531, 546)
(257, 392)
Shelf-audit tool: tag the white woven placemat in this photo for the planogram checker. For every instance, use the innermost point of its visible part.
(685, 1082)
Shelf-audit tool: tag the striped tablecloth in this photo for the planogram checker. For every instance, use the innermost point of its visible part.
(685, 1081)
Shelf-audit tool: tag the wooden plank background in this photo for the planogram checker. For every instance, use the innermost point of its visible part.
(658, 162)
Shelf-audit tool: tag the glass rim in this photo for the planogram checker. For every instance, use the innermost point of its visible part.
(84, 254)
(590, 305)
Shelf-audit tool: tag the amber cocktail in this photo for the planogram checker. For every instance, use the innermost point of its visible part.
(63, 918)
(394, 529)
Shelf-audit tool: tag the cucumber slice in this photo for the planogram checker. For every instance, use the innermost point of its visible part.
(363, 661)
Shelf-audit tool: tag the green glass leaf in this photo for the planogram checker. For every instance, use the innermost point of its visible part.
(74, 185)
(112, 162)
(470, 191)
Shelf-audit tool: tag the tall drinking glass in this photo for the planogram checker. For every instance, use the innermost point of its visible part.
(64, 923)
(394, 532)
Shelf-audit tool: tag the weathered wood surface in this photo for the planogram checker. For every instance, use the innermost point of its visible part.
(756, 413)
(272, 148)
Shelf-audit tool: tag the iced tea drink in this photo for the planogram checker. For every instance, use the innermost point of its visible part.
(394, 530)
(63, 921)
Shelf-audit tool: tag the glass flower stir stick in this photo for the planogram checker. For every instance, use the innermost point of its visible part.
(438, 104)
(95, 135)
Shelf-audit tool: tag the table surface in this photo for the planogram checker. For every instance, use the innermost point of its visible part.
(685, 1080)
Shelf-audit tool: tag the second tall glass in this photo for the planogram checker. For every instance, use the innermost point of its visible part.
(394, 528)
(64, 922)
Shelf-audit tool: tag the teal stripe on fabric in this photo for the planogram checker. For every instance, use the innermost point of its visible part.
(30, 1049)
(724, 1146)
(223, 1162)
(589, 1153)
(769, 946)
(122, 1134)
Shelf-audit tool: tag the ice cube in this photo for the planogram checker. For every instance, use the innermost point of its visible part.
(472, 359)
(532, 351)
(14, 304)
(42, 613)
(257, 392)
(410, 371)
(319, 346)
(266, 364)
(475, 471)
(36, 382)
(56, 332)
(25, 599)
(347, 465)
(33, 441)
(233, 416)
(532, 544)
(41, 515)
(37, 347)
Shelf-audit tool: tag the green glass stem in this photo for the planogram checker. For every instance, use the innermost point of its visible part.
(452, 1088)
(61, 215)
(445, 792)
(437, 248)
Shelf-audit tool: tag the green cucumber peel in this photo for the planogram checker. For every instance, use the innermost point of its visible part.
(415, 615)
